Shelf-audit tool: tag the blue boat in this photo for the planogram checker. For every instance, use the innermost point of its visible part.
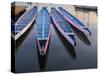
(43, 31)
(23, 23)
(63, 26)
(74, 21)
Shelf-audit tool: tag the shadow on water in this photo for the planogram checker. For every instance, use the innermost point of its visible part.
(69, 48)
(42, 59)
(81, 36)
(22, 38)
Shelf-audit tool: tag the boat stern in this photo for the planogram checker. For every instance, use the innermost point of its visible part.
(42, 46)
(73, 39)
(88, 31)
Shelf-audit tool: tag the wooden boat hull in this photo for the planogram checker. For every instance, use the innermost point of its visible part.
(63, 26)
(81, 28)
(65, 35)
(18, 35)
(43, 51)
(43, 31)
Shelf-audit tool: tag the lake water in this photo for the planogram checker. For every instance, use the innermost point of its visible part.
(59, 57)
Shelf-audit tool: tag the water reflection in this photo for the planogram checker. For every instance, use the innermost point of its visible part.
(22, 38)
(81, 36)
(42, 59)
(69, 47)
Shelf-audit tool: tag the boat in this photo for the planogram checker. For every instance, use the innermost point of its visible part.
(23, 23)
(74, 21)
(63, 26)
(43, 31)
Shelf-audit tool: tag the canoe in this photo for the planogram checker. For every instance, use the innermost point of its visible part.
(23, 23)
(43, 31)
(63, 26)
(74, 21)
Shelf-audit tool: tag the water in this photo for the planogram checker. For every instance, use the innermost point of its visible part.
(59, 57)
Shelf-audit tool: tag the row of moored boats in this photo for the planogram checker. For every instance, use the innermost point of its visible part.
(62, 20)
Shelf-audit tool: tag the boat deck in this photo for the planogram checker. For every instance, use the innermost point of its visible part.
(70, 16)
(61, 21)
(43, 24)
(24, 20)
(74, 21)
